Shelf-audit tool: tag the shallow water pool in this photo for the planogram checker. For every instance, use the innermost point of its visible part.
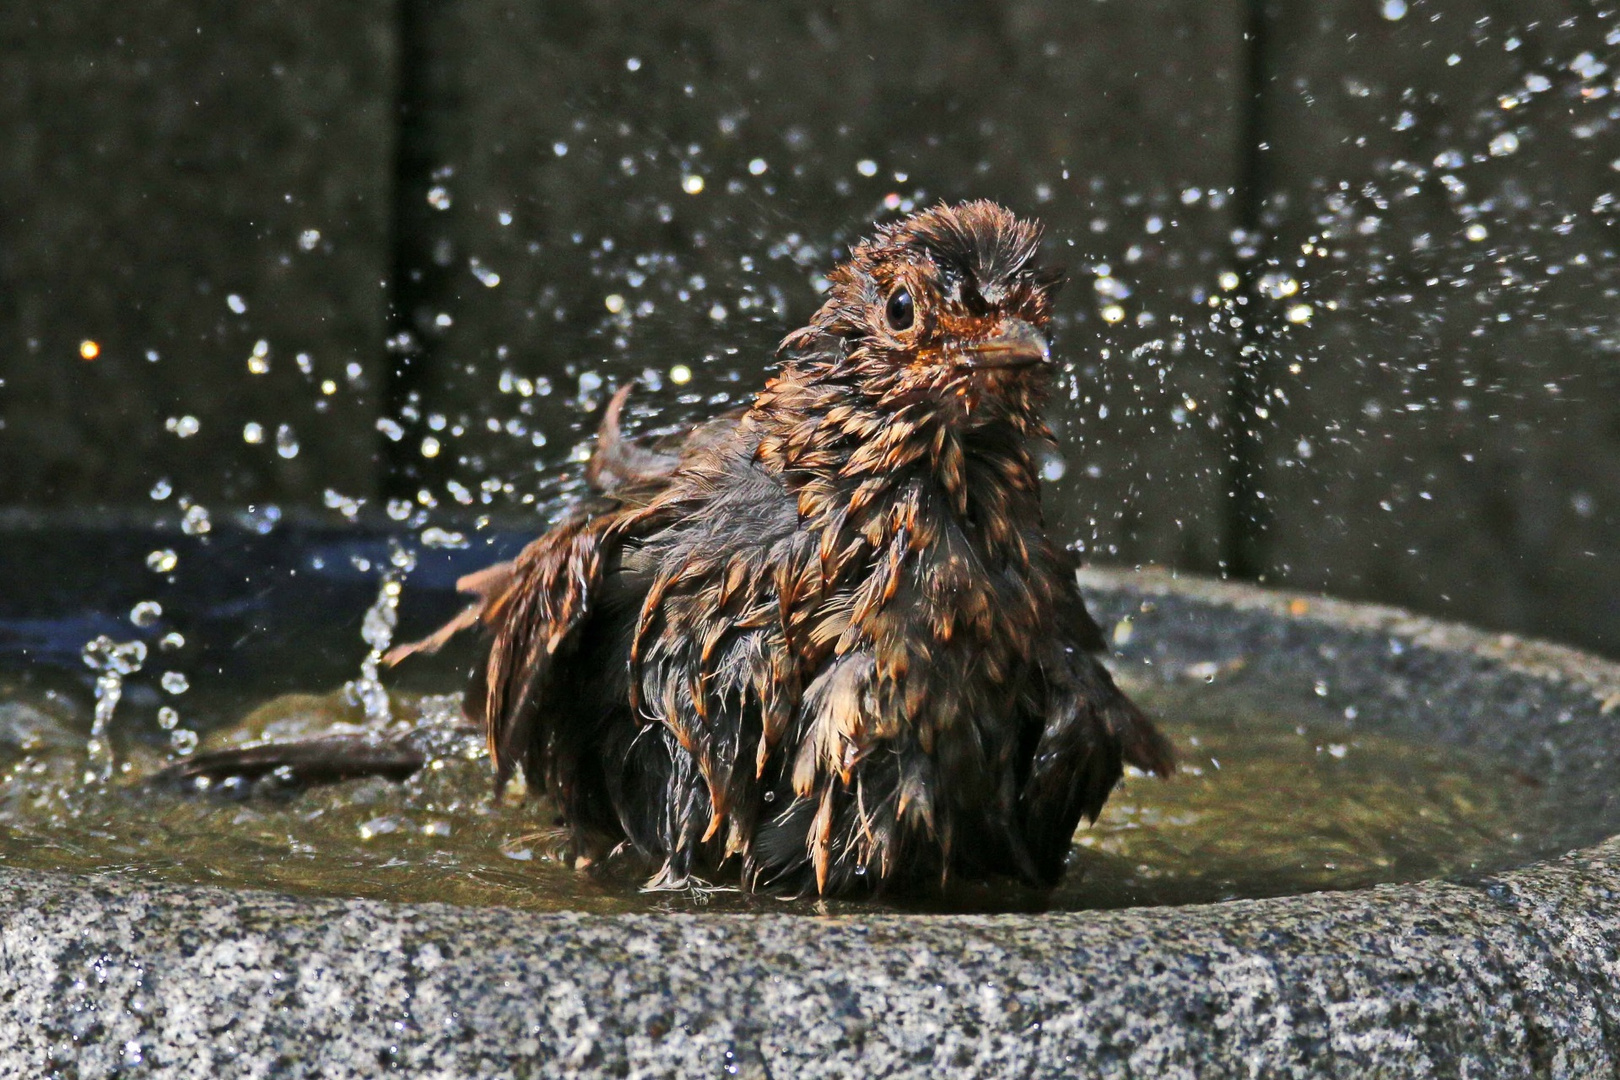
(1272, 798)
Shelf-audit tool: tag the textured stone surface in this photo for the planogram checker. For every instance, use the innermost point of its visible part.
(568, 138)
(1453, 440)
(1422, 980)
(1512, 974)
(159, 160)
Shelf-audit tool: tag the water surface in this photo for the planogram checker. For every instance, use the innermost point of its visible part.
(1273, 798)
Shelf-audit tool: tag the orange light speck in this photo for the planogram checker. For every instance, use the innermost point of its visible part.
(89, 350)
(1298, 607)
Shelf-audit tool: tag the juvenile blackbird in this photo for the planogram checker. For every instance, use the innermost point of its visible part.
(827, 639)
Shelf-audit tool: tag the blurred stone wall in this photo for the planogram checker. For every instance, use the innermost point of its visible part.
(1452, 441)
(180, 181)
(1342, 309)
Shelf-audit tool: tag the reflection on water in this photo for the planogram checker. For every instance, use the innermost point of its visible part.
(1270, 801)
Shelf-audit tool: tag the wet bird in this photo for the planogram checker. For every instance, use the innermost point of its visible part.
(826, 639)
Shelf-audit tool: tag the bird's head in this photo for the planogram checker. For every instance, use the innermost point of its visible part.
(945, 304)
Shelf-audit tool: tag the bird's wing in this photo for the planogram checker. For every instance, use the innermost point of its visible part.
(535, 605)
(532, 606)
(619, 460)
(709, 659)
(1089, 730)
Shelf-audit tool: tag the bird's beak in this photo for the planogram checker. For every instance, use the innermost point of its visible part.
(1017, 344)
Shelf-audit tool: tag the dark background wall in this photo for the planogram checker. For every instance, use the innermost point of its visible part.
(1344, 310)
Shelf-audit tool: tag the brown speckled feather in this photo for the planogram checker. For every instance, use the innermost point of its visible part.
(828, 637)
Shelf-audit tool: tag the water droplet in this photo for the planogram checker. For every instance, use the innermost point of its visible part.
(1504, 144)
(183, 741)
(757, 167)
(680, 374)
(1476, 232)
(430, 447)
(89, 350)
(286, 442)
(175, 682)
(435, 537)
(1113, 313)
(183, 426)
(692, 184)
(1300, 314)
(162, 561)
(632, 63)
(120, 658)
(161, 490)
(235, 302)
(253, 433)
(438, 197)
(1278, 286)
(172, 641)
(614, 303)
(308, 239)
(146, 613)
(168, 718)
(866, 167)
(1394, 10)
(196, 521)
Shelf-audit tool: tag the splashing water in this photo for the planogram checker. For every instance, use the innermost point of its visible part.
(112, 660)
(377, 630)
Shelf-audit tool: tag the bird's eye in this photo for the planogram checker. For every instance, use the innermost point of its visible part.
(900, 311)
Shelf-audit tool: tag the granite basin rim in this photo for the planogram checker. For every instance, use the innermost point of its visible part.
(1510, 973)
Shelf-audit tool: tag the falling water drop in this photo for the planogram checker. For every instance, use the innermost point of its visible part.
(196, 521)
(286, 442)
(1504, 144)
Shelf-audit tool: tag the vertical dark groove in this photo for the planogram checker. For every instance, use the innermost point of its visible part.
(411, 277)
(1244, 548)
